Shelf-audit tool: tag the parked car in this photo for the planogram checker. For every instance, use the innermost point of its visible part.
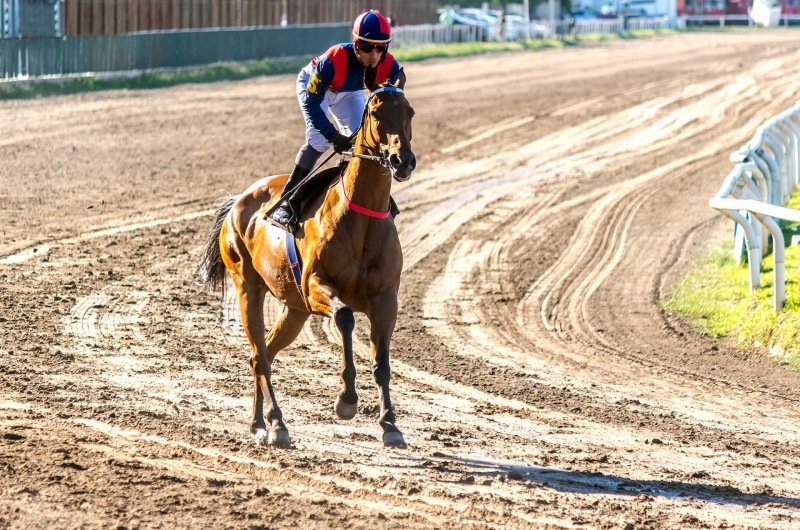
(514, 28)
(583, 14)
(489, 24)
(623, 9)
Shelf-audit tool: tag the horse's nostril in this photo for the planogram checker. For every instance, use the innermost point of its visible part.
(394, 160)
(411, 164)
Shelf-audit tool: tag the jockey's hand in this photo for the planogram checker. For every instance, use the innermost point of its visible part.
(340, 142)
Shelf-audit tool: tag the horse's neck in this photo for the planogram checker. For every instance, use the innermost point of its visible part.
(368, 184)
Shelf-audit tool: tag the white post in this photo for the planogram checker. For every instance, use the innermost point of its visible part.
(672, 13)
(778, 252)
(526, 14)
(753, 250)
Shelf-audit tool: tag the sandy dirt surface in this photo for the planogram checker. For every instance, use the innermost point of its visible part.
(558, 195)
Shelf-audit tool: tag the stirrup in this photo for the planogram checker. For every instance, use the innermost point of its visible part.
(291, 223)
(290, 227)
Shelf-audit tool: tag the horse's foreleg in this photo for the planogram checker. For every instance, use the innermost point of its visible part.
(382, 316)
(346, 405)
(323, 299)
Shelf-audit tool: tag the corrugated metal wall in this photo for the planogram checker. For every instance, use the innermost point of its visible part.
(39, 18)
(9, 21)
(75, 55)
(115, 17)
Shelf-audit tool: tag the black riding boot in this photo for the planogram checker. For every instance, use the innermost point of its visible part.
(286, 214)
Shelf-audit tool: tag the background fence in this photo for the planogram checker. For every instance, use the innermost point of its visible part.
(636, 24)
(29, 57)
(408, 36)
(114, 17)
(40, 57)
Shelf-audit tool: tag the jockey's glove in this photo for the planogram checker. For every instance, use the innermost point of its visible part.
(340, 142)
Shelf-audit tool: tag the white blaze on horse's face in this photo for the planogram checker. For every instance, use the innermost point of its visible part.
(391, 121)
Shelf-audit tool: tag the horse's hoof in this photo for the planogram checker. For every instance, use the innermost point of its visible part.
(261, 438)
(279, 438)
(394, 439)
(345, 411)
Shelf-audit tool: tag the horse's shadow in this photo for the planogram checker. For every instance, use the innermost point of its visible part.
(469, 470)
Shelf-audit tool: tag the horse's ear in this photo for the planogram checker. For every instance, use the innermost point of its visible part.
(370, 79)
(401, 79)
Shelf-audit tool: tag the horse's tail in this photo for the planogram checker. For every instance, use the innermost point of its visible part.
(211, 270)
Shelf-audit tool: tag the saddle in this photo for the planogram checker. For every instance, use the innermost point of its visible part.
(323, 181)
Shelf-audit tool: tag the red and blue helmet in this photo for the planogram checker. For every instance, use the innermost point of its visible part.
(372, 27)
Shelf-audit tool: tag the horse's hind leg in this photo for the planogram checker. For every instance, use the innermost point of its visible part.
(284, 331)
(252, 291)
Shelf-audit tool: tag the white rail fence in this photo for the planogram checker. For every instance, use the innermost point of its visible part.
(408, 36)
(722, 20)
(583, 27)
(635, 24)
(767, 171)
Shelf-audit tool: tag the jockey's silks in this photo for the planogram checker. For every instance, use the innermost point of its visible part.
(338, 69)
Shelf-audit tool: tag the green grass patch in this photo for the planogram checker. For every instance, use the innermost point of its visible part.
(716, 296)
(205, 74)
(236, 71)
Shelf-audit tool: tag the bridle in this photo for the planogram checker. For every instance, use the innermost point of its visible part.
(383, 158)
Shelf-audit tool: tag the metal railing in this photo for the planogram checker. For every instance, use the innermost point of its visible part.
(767, 171)
(409, 36)
(722, 20)
(637, 24)
(614, 25)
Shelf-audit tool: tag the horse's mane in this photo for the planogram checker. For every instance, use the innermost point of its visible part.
(370, 76)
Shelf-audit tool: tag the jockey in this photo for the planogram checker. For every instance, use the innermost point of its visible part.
(334, 82)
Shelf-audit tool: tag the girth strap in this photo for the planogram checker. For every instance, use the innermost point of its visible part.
(294, 263)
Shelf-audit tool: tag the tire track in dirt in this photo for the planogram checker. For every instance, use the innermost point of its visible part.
(596, 140)
(473, 260)
(506, 423)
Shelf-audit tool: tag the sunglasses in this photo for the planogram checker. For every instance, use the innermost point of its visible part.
(367, 47)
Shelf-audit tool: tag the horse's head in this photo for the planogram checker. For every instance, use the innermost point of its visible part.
(387, 126)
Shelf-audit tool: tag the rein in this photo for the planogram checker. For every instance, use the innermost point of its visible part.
(382, 160)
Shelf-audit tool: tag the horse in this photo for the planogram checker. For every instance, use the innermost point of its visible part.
(349, 251)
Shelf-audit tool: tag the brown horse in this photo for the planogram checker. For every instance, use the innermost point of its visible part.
(350, 256)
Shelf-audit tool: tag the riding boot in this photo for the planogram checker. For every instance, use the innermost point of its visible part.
(286, 215)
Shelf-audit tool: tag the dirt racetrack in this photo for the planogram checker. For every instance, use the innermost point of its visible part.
(558, 195)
